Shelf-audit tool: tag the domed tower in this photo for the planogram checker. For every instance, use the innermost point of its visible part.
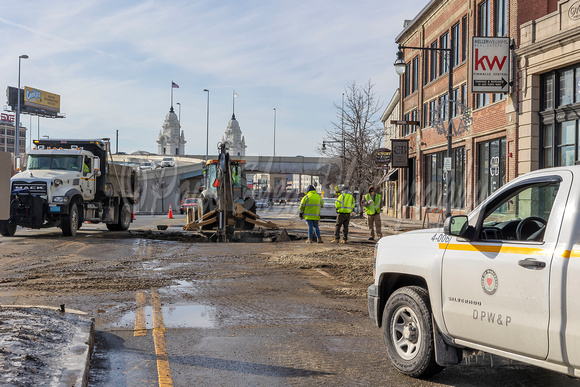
(234, 137)
(171, 139)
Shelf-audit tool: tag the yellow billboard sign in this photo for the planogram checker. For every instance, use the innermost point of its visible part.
(41, 99)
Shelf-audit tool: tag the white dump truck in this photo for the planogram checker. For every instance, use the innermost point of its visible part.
(68, 182)
(503, 280)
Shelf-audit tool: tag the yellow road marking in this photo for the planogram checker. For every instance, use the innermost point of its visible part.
(140, 323)
(163, 370)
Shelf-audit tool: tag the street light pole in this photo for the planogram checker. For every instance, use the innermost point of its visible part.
(179, 130)
(400, 69)
(274, 132)
(17, 131)
(207, 129)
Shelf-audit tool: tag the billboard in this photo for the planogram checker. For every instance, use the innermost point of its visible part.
(41, 99)
(32, 108)
(490, 65)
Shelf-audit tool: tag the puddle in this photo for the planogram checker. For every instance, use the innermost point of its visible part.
(175, 316)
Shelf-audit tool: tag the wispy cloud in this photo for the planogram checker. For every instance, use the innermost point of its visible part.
(112, 63)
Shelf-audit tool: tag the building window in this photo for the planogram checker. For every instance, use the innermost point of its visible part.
(501, 11)
(498, 97)
(548, 91)
(425, 67)
(568, 138)
(407, 80)
(435, 179)
(432, 111)
(443, 104)
(560, 95)
(482, 100)
(415, 75)
(425, 114)
(491, 167)
(455, 44)
(433, 67)
(463, 93)
(548, 142)
(484, 19)
(464, 38)
(411, 183)
(455, 99)
(566, 87)
(443, 61)
(410, 116)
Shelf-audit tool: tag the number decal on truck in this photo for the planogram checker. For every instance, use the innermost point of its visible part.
(441, 238)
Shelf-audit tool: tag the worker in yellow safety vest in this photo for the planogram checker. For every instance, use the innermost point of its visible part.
(344, 206)
(372, 204)
(310, 210)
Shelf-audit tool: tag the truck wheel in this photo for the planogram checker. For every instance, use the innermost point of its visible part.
(70, 221)
(124, 222)
(408, 332)
(7, 229)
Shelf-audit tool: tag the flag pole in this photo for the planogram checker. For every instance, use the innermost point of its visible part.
(172, 95)
(233, 104)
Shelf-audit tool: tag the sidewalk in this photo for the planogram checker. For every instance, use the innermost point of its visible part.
(43, 346)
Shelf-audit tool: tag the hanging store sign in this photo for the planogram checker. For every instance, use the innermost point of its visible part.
(490, 65)
(400, 154)
(382, 156)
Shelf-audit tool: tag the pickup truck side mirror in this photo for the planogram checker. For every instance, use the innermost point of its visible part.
(458, 225)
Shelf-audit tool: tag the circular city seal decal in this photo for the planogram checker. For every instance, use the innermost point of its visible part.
(489, 281)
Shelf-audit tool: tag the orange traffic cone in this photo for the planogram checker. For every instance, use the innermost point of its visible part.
(133, 215)
(170, 212)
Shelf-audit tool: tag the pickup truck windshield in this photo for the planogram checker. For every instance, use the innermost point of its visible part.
(54, 162)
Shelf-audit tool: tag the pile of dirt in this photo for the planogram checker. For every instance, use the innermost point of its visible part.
(351, 264)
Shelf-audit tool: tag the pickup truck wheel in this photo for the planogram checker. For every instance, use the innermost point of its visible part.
(408, 332)
(7, 229)
(70, 221)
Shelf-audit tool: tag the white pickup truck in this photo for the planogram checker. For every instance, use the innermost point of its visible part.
(504, 280)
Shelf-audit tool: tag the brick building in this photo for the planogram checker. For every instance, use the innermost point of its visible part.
(486, 155)
(7, 134)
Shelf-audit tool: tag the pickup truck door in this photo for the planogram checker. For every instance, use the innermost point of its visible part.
(495, 287)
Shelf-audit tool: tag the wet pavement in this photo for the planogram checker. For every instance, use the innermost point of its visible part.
(208, 314)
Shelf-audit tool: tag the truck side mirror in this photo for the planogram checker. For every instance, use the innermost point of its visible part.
(97, 166)
(458, 225)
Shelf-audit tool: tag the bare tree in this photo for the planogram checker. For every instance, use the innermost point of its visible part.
(360, 129)
(161, 186)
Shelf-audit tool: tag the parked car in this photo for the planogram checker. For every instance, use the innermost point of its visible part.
(328, 210)
(189, 203)
(146, 166)
(168, 162)
(262, 203)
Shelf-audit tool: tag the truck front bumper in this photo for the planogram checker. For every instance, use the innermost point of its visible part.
(374, 299)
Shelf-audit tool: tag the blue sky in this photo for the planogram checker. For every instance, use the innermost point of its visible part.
(112, 63)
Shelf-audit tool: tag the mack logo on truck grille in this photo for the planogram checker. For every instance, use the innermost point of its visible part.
(35, 188)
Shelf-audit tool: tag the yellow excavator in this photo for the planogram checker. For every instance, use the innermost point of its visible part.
(226, 203)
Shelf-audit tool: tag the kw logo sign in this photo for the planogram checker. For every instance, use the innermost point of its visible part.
(490, 65)
(481, 61)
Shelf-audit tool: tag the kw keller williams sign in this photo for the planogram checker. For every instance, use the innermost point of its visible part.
(490, 65)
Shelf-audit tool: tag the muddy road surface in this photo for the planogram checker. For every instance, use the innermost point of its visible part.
(169, 311)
